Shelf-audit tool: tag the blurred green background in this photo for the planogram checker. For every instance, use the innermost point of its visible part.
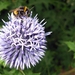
(60, 54)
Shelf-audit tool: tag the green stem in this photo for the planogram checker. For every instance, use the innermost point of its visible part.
(22, 72)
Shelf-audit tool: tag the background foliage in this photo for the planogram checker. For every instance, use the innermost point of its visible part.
(60, 17)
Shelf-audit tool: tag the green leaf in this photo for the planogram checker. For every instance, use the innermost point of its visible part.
(71, 45)
(2, 63)
(4, 5)
(19, 72)
(29, 72)
(74, 55)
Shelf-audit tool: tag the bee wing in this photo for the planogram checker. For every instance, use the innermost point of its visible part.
(11, 10)
(20, 9)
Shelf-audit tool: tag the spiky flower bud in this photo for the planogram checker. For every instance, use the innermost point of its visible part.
(22, 41)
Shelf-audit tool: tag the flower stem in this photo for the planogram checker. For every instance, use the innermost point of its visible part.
(69, 72)
(22, 72)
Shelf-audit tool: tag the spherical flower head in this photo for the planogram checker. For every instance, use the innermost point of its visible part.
(22, 41)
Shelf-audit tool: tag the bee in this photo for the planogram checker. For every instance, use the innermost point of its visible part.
(21, 11)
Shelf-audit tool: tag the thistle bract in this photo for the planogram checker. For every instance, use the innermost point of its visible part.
(22, 41)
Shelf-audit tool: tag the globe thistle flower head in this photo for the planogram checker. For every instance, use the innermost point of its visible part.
(22, 41)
